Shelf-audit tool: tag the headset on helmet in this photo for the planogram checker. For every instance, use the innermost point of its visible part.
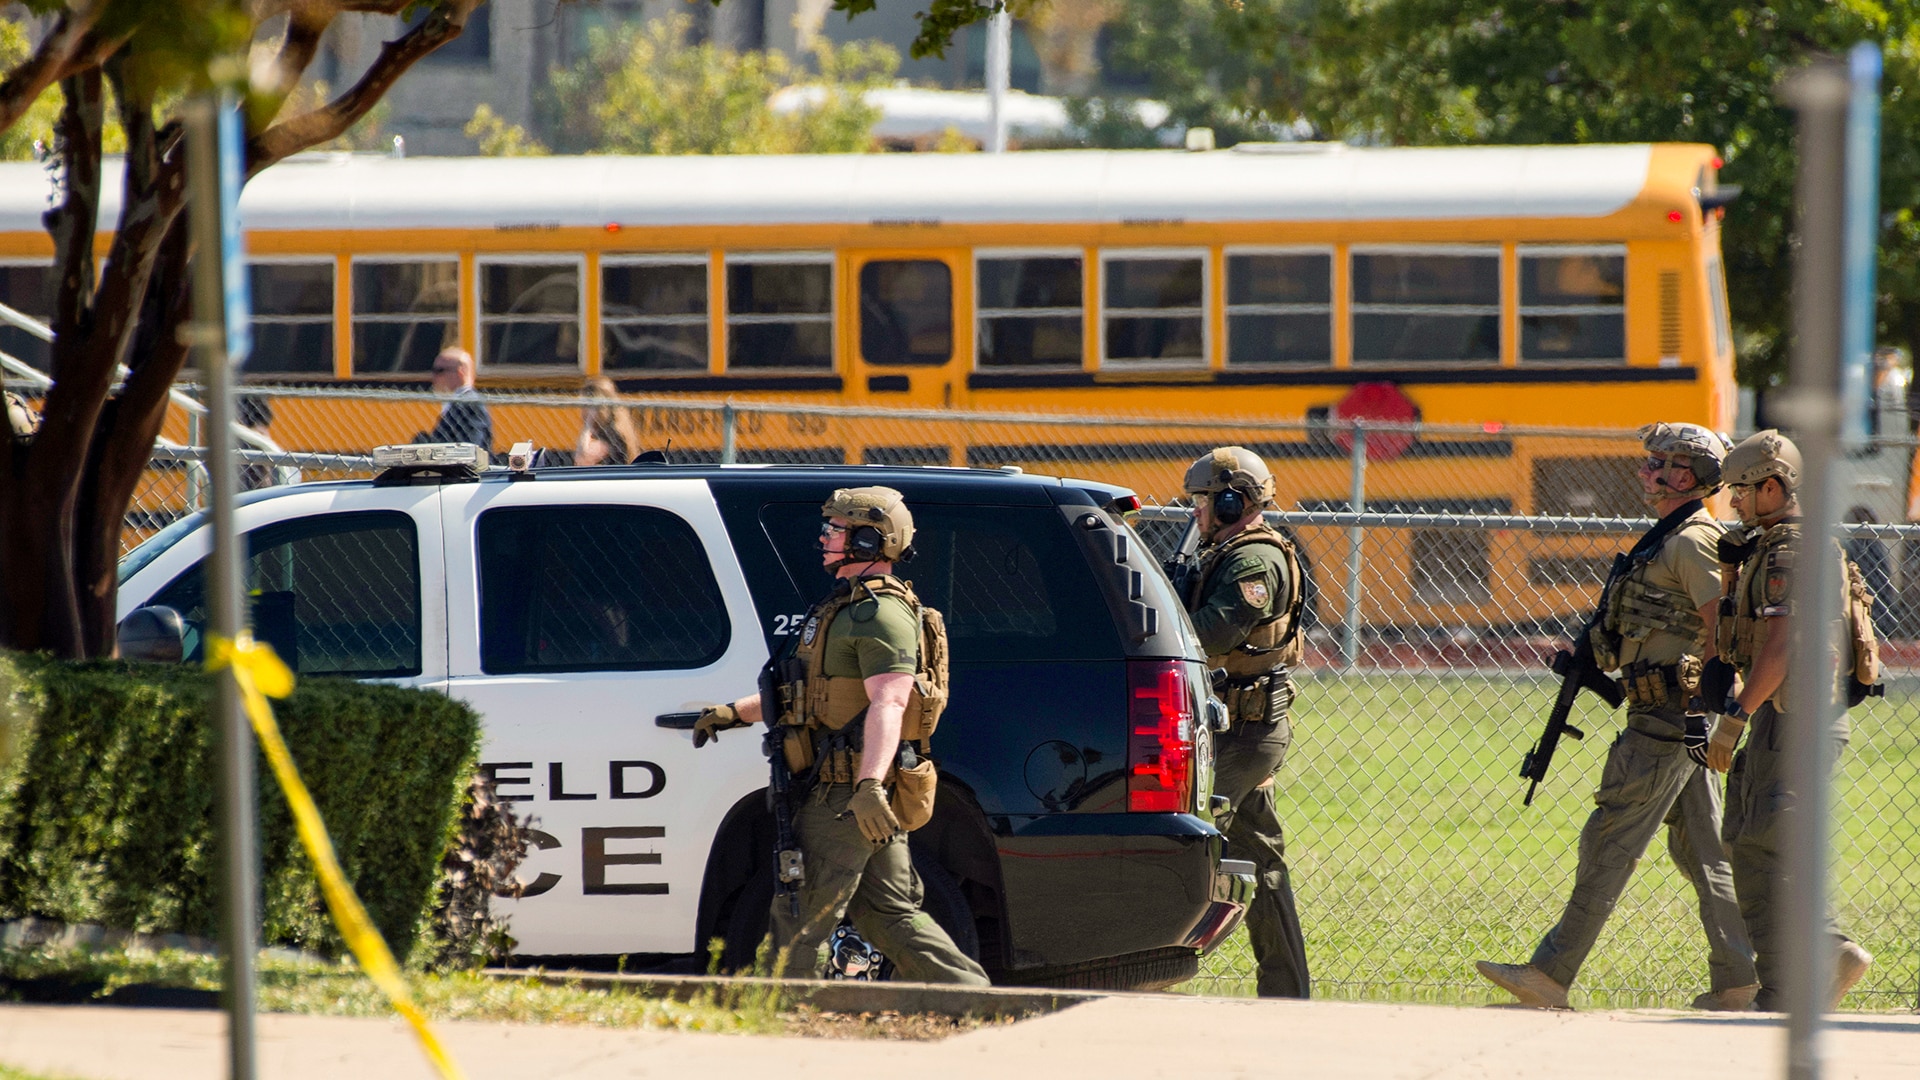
(879, 526)
(1763, 454)
(1236, 481)
(1705, 447)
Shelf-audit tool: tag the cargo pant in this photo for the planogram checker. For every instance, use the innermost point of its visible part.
(1757, 792)
(1245, 758)
(848, 875)
(1649, 780)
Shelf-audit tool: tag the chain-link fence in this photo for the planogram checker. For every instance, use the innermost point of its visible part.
(1446, 566)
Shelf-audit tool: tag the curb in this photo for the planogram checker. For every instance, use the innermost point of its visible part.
(840, 996)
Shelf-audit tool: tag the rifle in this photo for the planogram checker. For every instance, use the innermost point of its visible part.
(1183, 566)
(789, 865)
(1577, 672)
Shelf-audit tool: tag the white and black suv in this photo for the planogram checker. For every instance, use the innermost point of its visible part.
(588, 613)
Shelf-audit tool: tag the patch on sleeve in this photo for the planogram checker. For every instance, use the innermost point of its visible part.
(1254, 591)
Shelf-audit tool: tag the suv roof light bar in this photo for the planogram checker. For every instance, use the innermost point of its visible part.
(450, 461)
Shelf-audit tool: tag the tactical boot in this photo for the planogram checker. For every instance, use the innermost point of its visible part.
(1534, 988)
(1852, 963)
(1732, 999)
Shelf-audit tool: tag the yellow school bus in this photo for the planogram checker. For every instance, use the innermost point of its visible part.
(1500, 285)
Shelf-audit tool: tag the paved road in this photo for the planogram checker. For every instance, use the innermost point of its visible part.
(1123, 1036)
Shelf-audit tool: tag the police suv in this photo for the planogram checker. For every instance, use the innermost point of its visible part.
(588, 614)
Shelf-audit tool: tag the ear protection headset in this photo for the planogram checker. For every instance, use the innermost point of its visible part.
(865, 542)
(1229, 506)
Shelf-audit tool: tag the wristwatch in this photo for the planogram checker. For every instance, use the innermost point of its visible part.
(1735, 711)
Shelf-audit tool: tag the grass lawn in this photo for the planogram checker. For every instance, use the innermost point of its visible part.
(1412, 856)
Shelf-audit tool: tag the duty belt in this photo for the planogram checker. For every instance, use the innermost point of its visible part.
(1247, 682)
(1660, 686)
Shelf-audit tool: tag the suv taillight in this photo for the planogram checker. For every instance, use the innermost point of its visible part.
(1160, 738)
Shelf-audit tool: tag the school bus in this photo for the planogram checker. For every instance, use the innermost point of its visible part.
(1500, 285)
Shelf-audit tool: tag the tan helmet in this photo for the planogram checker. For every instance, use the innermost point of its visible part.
(1707, 447)
(881, 527)
(1231, 468)
(1763, 454)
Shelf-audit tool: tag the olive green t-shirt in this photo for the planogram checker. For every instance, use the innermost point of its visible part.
(1243, 592)
(874, 635)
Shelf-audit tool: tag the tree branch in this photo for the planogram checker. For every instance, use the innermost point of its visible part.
(73, 222)
(331, 120)
(305, 24)
(67, 47)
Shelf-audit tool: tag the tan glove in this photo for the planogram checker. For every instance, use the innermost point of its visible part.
(713, 720)
(872, 812)
(1720, 744)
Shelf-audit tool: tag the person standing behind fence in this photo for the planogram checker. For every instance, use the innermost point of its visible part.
(1764, 474)
(607, 434)
(464, 419)
(1657, 627)
(1245, 598)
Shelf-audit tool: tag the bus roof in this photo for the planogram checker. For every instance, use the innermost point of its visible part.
(1267, 182)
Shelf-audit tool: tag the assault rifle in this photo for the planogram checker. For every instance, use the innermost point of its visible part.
(1183, 566)
(789, 866)
(1577, 672)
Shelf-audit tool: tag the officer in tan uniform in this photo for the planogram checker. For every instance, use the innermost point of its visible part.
(1764, 474)
(1245, 600)
(858, 699)
(1657, 620)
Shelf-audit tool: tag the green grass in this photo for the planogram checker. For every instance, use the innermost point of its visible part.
(8, 1072)
(1412, 856)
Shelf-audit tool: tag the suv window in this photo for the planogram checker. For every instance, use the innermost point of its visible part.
(596, 588)
(1009, 579)
(334, 594)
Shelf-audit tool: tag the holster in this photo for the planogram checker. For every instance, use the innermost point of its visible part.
(1661, 686)
(1258, 699)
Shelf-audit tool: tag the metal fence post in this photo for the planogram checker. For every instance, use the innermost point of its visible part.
(196, 470)
(729, 427)
(1819, 95)
(1356, 537)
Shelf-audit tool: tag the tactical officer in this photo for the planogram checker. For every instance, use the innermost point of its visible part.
(1764, 473)
(1245, 599)
(1656, 626)
(858, 698)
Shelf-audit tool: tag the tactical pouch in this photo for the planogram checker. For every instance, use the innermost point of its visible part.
(912, 797)
(797, 745)
(1661, 686)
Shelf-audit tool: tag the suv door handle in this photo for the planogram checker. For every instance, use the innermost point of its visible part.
(679, 721)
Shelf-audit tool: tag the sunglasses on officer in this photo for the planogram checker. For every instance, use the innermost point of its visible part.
(1655, 463)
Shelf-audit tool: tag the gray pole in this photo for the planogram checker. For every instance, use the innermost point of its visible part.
(729, 426)
(999, 75)
(1819, 94)
(1356, 536)
(208, 335)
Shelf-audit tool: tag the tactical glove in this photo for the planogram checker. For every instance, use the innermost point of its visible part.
(1726, 736)
(713, 720)
(1716, 681)
(872, 812)
(1695, 738)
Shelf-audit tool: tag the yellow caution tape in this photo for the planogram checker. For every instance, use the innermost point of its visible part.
(261, 674)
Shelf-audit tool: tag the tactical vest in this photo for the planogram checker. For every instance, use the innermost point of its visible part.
(831, 702)
(1275, 641)
(1634, 609)
(1747, 617)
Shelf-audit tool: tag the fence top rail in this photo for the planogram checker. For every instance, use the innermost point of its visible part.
(1548, 523)
(291, 458)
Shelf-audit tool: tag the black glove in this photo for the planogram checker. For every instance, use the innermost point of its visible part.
(1695, 738)
(1716, 682)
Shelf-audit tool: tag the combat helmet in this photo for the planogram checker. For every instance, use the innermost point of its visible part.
(1763, 454)
(1231, 468)
(880, 526)
(1707, 448)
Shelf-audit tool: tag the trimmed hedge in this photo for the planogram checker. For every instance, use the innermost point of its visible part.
(108, 807)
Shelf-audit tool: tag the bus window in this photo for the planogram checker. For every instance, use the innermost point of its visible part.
(28, 288)
(529, 313)
(906, 312)
(779, 311)
(1154, 306)
(653, 313)
(1280, 308)
(1432, 305)
(1030, 311)
(292, 317)
(404, 313)
(1573, 304)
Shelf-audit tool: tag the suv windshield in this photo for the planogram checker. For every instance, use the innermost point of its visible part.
(1010, 581)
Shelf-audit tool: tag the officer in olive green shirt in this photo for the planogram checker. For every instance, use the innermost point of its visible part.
(1656, 629)
(1244, 600)
(861, 648)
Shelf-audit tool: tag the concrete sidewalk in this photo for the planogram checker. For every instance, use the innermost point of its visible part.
(1122, 1036)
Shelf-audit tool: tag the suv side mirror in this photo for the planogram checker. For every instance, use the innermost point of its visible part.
(154, 634)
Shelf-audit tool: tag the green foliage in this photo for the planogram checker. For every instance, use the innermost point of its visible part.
(109, 817)
(497, 138)
(644, 90)
(1427, 72)
(945, 18)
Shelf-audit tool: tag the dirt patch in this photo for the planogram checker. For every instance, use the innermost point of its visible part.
(912, 1027)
